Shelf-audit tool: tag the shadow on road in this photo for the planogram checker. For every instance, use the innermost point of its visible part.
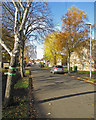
(62, 97)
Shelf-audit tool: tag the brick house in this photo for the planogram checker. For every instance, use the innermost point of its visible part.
(82, 60)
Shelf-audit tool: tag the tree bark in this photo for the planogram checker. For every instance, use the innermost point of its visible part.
(69, 62)
(22, 55)
(21, 62)
(10, 82)
(10, 78)
(55, 60)
(62, 59)
(15, 53)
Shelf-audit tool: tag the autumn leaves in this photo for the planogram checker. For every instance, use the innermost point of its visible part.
(74, 33)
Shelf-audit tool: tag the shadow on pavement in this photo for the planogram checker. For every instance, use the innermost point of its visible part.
(61, 97)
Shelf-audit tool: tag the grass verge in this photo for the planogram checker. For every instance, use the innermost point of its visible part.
(65, 69)
(19, 108)
(86, 72)
(87, 78)
(22, 83)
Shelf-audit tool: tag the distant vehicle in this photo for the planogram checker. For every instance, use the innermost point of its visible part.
(57, 69)
(29, 64)
(41, 65)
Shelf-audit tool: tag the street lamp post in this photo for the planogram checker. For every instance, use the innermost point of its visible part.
(90, 47)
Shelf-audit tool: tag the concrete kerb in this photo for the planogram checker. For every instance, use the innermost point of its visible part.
(80, 79)
(86, 81)
(31, 109)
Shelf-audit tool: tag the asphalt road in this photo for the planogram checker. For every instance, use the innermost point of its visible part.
(61, 96)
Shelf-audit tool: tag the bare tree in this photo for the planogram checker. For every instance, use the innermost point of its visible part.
(30, 52)
(38, 22)
(29, 19)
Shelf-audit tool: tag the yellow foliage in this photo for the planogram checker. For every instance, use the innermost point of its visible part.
(27, 60)
(74, 28)
(73, 35)
(51, 48)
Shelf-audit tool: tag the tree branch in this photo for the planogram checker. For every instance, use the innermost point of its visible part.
(16, 20)
(21, 5)
(5, 47)
(9, 10)
(15, 4)
(25, 16)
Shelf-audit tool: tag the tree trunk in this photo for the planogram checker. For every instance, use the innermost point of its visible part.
(21, 62)
(22, 57)
(10, 82)
(69, 62)
(15, 54)
(13, 63)
(55, 60)
(62, 59)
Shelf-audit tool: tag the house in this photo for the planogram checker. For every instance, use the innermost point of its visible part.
(82, 60)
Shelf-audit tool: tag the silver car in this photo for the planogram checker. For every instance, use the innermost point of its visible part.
(57, 69)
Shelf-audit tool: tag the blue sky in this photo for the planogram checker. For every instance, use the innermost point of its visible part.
(59, 9)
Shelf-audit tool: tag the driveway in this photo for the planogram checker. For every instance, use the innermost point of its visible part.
(61, 96)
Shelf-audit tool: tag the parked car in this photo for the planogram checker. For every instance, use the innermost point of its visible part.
(57, 69)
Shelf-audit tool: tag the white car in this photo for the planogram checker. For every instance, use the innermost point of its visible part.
(57, 69)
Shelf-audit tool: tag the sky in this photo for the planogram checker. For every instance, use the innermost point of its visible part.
(59, 9)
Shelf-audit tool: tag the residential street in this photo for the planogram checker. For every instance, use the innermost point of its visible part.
(39, 40)
(61, 96)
